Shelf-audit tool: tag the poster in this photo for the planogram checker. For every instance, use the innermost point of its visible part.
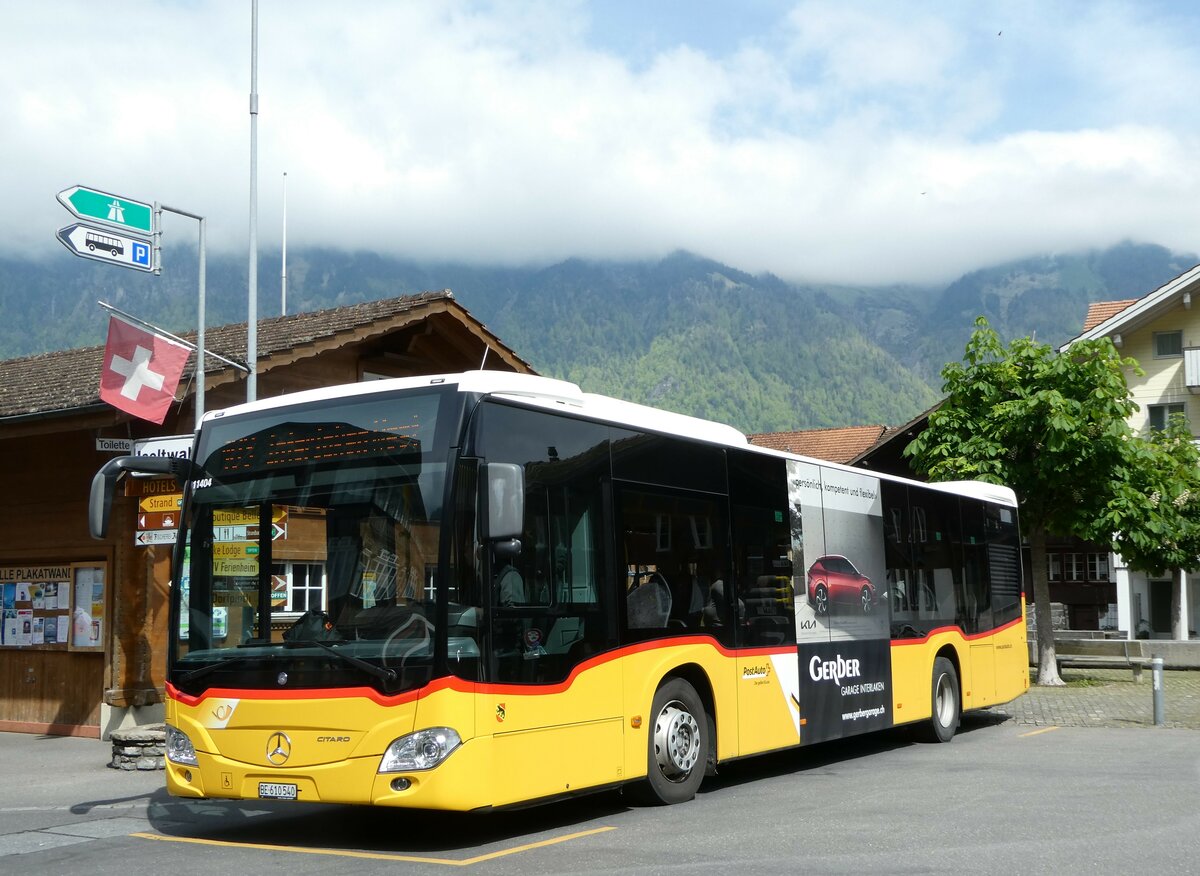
(842, 627)
(24, 627)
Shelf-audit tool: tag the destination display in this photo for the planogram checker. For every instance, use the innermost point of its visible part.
(293, 444)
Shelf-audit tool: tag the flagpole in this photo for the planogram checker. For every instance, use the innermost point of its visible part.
(166, 334)
(200, 338)
(283, 275)
(252, 314)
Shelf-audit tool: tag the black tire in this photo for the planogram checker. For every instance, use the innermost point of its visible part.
(821, 600)
(677, 746)
(945, 703)
(867, 602)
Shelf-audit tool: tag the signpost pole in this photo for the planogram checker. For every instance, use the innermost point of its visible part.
(156, 240)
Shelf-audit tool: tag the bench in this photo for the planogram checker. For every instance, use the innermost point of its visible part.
(1137, 664)
(1104, 654)
(1100, 654)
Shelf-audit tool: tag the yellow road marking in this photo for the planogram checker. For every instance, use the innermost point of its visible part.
(376, 856)
(1036, 732)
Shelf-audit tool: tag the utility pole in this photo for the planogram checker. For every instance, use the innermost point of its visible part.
(283, 274)
(252, 310)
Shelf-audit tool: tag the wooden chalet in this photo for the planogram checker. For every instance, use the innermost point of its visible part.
(85, 622)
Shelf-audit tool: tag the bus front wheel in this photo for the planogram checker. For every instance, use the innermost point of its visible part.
(945, 702)
(678, 744)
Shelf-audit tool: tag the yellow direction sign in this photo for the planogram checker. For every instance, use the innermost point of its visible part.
(166, 502)
(246, 516)
(241, 567)
(234, 549)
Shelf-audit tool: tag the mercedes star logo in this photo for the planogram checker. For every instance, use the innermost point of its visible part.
(279, 749)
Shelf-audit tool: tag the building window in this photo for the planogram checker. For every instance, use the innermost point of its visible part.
(1097, 567)
(1073, 567)
(1168, 344)
(298, 586)
(1160, 414)
(1053, 567)
(1108, 617)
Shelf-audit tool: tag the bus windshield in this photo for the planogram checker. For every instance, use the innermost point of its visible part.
(311, 547)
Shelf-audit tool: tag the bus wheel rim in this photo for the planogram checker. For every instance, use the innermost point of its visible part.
(676, 741)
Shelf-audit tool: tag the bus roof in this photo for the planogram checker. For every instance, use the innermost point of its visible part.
(561, 395)
(542, 392)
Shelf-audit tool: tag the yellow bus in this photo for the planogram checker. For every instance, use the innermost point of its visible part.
(485, 590)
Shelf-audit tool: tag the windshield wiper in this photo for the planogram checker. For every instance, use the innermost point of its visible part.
(197, 674)
(377, 671)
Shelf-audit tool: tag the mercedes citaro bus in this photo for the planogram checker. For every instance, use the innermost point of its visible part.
(487, 589)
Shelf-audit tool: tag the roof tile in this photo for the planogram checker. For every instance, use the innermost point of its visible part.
(833, 445)
(70, 379)
(1101, 311)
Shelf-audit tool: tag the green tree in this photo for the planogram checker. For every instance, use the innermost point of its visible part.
(1054, 428)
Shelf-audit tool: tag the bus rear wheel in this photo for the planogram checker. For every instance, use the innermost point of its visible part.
(678, 744)
(945, 703)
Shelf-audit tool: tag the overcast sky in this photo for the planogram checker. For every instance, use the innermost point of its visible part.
(862, 142)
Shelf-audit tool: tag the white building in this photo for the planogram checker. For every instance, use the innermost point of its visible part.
(1161, 331)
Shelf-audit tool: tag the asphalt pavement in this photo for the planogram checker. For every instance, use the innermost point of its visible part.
(63, 809)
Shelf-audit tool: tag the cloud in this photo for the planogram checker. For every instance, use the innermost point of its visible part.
(856, 143)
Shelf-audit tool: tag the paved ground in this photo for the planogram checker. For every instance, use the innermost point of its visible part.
(62, 810)
(1109, 698)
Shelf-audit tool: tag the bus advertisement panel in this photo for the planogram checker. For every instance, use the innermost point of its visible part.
(841, 604)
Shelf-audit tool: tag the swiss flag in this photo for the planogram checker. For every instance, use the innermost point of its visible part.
(141, 370)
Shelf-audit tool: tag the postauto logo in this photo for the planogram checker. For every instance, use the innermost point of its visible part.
(834, 670)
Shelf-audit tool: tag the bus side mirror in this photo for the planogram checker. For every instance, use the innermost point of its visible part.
(505, 484)
(104, 484)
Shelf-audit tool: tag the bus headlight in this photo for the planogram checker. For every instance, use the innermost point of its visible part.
(422, 750)
(179, 747)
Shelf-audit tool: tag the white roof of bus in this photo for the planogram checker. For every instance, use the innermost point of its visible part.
(550, 394)
(543, 392)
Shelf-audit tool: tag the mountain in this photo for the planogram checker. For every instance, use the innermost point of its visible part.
(684, 333)
(1045, 297)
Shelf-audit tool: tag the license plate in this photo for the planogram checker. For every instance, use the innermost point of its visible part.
(276, 791)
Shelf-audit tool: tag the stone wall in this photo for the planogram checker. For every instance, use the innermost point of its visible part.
(139, 748)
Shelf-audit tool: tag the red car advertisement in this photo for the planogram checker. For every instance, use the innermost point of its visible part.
(834, 580)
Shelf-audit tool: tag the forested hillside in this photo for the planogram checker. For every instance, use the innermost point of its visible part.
(684, 333)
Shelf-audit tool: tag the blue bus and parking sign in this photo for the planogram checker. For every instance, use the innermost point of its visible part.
(106, 245)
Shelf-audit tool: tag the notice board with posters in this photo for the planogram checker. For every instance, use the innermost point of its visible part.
(53, 606)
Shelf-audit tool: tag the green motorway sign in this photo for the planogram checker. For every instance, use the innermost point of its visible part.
(112, 210)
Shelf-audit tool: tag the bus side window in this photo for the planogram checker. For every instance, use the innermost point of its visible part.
(762, 545)
(673, 545)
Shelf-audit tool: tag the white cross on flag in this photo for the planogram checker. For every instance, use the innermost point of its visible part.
(141, 370)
